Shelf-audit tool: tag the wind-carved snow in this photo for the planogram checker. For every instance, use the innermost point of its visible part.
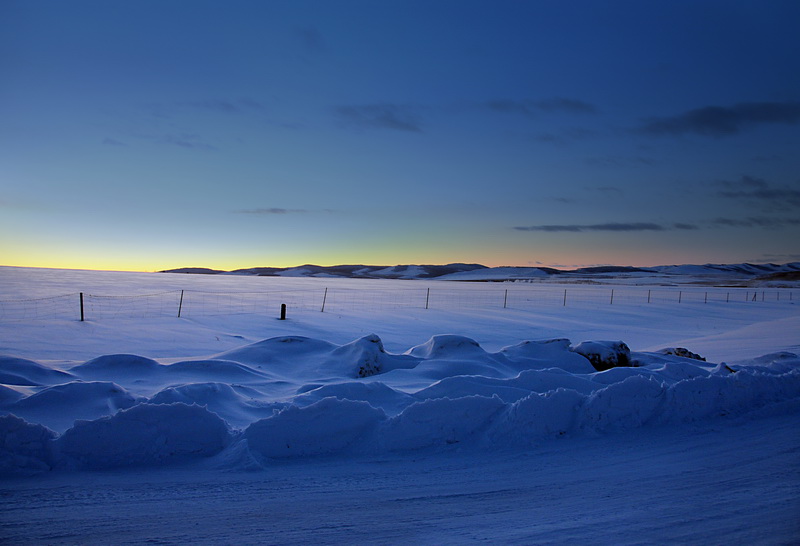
(297, 397)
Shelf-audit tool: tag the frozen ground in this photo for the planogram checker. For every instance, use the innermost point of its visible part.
(381, 423)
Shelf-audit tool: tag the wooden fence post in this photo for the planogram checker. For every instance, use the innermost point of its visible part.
(81, 306)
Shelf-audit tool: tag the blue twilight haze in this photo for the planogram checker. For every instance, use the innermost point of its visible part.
(156, 134)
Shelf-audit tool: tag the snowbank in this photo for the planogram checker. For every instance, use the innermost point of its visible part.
(145, 435)
(294, 397)
(325, 427)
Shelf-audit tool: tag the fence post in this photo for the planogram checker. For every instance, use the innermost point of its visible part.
(648, 296)
(680, 295)
(612, 297)
(565, 297)
(324, 298)
(727, 297)
(180, 305)
(505, 299)
(427, 297)
(705, 300)
(283, 311)
(81, 306)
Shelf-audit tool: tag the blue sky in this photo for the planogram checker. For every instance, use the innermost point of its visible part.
(156, 134)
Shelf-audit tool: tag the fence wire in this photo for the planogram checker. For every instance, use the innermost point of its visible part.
(65, 306)
(196, 303)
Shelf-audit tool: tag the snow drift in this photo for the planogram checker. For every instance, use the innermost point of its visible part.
(294, 397)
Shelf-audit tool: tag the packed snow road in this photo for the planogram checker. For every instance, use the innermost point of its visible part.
(722, 482)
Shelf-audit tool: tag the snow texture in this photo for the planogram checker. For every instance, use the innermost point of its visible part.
(359, 398)
(256, 395)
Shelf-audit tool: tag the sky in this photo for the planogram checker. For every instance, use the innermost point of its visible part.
(152, 135)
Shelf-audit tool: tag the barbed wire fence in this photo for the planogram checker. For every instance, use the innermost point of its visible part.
(196, 303)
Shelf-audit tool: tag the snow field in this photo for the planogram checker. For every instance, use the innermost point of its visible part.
(311, 389)
(358, 426)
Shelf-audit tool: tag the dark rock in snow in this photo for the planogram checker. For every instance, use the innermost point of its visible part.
(605, 355)
(682, 352)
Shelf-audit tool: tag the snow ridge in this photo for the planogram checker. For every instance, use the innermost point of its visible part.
(294, 397)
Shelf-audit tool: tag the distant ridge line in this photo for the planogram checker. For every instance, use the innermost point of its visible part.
(478, 272)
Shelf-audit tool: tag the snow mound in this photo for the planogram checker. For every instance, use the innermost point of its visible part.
(781, 362)
(440, 422)
(110, 367)
(57, 407)
(366, 357)
(377, 394)
(447, 346)
(537, 355)
(325, 427)
(628, 404)
(24, 447)
(9, 395)
(144, 435)
(212, 369)
(236, 404)
(19, 371)
(263, 351)
(537, 416)
(294, 397)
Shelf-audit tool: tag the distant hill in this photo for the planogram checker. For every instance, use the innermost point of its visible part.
(477, 272)
(194, 270)
(348, 271)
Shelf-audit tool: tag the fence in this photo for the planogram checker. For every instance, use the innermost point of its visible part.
(195, 303)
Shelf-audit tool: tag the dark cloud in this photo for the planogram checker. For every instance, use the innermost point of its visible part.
(187, 141)
(768, 158)
(561, 104)
(227, 106)
(685, 226)
(619, 161)
(635, 226)
(744, 182)
(757, 222)
(607, 190)
(272, 210)
(509, 106)
(566, 200)
(381, 116)
(530, 107)
(760, 192)
(719, 121)
(566, 136)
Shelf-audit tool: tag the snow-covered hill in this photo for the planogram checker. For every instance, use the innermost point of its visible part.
(737, 273)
